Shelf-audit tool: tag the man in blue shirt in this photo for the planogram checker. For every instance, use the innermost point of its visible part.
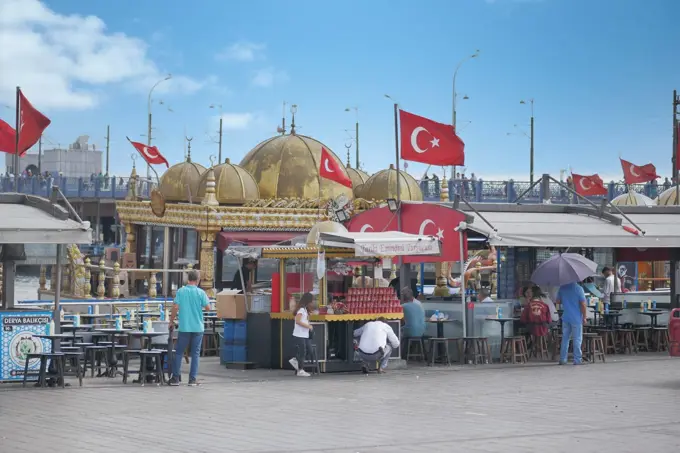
(573, 301)
(414, 315)
(190, 302)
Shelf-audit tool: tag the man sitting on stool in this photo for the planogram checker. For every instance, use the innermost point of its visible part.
(376, 344)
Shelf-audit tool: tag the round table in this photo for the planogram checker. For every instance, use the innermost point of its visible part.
(112, 334)
(502, 321)
(653, 315)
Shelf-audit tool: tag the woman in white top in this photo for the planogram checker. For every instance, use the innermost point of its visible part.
(301, 333)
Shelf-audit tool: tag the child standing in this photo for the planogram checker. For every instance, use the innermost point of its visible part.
(302, 333)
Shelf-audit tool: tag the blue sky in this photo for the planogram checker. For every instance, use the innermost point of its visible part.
(601, 73)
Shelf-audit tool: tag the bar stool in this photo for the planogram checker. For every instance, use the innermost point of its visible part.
(156, 372)
(626, 340)
(94, 355)
(420, 354)
(660, 338)
(127, 355)
(594, 348)
(642, 337)
(56, 357)
(539, 347)
(514, 349)
(475, 350)
(435, 343)
(72, 359)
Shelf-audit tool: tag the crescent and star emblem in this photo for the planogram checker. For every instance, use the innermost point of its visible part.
(325, 164)
(414, 140)
(632, 170)
(583, 185)
(365, 228)
(149, 155)
(426, 222)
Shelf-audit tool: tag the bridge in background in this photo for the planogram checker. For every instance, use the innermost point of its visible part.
(475, 191)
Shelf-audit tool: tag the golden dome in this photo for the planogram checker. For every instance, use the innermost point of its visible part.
(633, 199)
(327, 226)
(233, 185)
(668, 197)
(358, 178)
(180, 179)
(383, 185)
(287, 166)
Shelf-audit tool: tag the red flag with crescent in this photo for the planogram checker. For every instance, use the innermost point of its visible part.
(149, 153)
(429, 142)
(589, 185)
(31, 125)
(636, 174)
(330, 168)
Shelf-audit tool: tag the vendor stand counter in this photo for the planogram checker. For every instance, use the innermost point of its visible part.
(17, 341)
(333, 337)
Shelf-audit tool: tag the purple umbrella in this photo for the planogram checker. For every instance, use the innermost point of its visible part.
(564, 268)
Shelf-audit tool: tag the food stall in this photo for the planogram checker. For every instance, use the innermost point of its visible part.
(346, 272)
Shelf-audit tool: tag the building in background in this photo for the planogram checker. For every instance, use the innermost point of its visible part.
(80, 160)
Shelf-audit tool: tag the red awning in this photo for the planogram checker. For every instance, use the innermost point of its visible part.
(254, 238)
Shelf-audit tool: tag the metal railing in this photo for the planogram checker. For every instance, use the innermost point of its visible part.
(72, 187)
(507, 191)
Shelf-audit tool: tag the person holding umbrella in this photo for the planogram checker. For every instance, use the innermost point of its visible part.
(567, 270)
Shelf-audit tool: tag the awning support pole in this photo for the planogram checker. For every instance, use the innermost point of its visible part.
(57, 191)
(472, 208)
(616, 208)
(534, 184)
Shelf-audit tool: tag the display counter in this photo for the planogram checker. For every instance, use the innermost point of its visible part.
(333, 337)
(17, 341)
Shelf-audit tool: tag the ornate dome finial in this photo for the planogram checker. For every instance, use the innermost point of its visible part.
(348, 146)
(444, 191)
(189, 139)
(210, 199)
(293, 111)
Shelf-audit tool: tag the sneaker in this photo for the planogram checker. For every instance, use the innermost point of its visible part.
(364, 369)
(174, 382)
(193, 383)
(303, 373)
(294, 363)
(562, 363)
(579, 363)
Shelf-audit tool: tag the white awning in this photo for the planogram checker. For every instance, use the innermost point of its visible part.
(388, 243)
(560, 229)
(29, 220)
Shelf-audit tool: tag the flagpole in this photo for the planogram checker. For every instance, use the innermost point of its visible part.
(675, 164)
(402, 268)
(16, 138)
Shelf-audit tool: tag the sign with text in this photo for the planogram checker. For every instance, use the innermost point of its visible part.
(17, 341)
(424, 247)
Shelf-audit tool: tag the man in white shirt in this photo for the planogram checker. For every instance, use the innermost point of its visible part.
(609, 287)
(376, 344)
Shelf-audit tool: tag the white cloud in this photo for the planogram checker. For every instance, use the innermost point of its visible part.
(267, 77)
(64, 61)
(242, 51)
(238, 121)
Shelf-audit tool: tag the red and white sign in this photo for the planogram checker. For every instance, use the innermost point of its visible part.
(417, 218)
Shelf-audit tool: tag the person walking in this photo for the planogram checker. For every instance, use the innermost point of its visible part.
(190, 302)
(302, 333)
(573, 301)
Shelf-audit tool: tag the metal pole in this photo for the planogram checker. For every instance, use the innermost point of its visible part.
(531, 150)
(219, 153)
(108, 139)
(39, 155)
(402, 268)
(148, 141)
(357, 144)
(675, 163)
(16, 140)
(166, 261)
(462, 282)
(57, 291)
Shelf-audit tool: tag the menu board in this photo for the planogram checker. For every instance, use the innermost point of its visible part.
(17, 341)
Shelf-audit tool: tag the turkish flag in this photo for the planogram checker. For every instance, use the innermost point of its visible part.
(330, 168)
(429, 142)
(417, 218)
(7, 138)
(635, 174)
(589, 185)
(150, 153)
(32, 123)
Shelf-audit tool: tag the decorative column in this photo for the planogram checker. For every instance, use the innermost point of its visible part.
(130, 238)
(115, 287)
(43, 278)
(207, 262)
(88, 277)
(442, 270)
(53, 277)
(101, 289)
(151, 283)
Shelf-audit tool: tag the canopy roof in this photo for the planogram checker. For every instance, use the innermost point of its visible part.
(27, 219)
(387, 243)
(577, 226)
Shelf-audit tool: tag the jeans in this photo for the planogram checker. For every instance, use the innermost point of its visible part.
(193, 340)
(304, 350)
(571, 331)
(383, 356)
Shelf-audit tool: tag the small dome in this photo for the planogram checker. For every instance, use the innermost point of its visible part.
(668, 197)
(383, 185)
(287, 166)
(233, 184)
(180, 179)
(633, 199)
(358, 178)
(327, 226)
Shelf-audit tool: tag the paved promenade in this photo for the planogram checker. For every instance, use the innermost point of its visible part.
(624, 406)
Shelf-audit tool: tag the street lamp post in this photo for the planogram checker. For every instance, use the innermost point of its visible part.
(531, 140)
(455, 95)
(356, 133)
(219, 153)
(148, 132)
